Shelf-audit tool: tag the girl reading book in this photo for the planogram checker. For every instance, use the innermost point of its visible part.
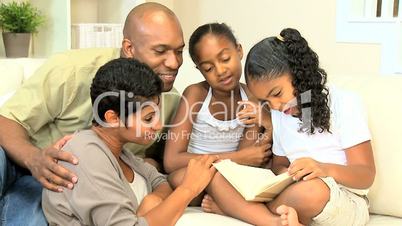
(320, 137)
(208, 110)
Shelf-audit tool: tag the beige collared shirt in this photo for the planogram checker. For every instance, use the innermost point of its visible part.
(55, 101)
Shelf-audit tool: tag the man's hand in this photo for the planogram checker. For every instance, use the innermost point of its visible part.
(43, 166)
(60, 143)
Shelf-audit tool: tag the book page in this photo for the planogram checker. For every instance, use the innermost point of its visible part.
(271, 191)
(246, 179)
(254, 184)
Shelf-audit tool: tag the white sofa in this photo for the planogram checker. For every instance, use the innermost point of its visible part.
(381, 95)
(13, 72)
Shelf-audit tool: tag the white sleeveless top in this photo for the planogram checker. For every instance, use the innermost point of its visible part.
(139, 187)
(210, 135)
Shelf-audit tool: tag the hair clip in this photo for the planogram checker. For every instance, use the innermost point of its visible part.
(280, 38)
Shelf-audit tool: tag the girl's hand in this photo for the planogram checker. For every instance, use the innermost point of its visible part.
(254, 114)
(256, 155)
(306, 169)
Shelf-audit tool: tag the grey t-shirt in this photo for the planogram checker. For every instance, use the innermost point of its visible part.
(102, 195)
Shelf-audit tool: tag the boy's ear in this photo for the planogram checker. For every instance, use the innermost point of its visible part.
(127, 48)
(112, 118)
(240, 50)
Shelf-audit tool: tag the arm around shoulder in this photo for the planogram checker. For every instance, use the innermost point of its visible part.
(99, 198)
(34, 105)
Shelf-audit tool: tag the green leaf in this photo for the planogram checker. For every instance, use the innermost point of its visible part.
(20, 17)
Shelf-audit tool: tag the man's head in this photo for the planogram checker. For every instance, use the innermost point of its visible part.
(153, 35)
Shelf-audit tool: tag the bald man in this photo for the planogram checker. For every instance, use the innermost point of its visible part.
(55, 102)
(152, 34)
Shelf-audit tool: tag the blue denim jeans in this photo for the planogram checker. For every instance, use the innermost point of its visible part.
(20, 196)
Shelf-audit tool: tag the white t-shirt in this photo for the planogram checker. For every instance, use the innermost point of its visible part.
(348, 126)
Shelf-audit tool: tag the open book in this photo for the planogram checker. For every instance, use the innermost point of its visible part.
(254, 184)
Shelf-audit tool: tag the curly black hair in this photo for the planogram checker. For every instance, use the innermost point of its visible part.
(217, 29)
(290, 53)
(123, 79)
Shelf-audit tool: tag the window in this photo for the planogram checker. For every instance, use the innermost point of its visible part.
(373, 21)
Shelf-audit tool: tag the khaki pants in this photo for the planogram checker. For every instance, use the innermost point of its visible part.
(344, 207)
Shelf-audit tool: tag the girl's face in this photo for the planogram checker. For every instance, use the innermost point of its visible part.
(143, 124)
(219, 60)
(278, 93)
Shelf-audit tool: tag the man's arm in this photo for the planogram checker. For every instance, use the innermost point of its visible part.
(54, 94)
(42, 163)
(35, 104)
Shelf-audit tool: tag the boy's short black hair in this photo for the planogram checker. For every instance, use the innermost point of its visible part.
(123, 79)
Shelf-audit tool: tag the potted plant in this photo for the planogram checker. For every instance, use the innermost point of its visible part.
(18, 21)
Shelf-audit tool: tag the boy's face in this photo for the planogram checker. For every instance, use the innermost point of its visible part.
(219, 60)
(143, 124)
(278, 93)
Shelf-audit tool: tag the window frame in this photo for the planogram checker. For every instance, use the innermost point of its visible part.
(357, 29)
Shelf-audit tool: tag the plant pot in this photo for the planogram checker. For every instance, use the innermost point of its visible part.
(16, 44)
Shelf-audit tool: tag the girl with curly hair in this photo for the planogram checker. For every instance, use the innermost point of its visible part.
(320, 137)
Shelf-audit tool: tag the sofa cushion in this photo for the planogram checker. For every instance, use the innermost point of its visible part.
(381, 220)
(382, 97)
(30, 65)
(194, 216)
(11, 76)
(5, 97)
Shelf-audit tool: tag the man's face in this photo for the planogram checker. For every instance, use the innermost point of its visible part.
(158, 42)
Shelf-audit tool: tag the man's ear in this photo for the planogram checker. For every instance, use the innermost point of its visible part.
(112, 118)
(240, 51)
(127, 48)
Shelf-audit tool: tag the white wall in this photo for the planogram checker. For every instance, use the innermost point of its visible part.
(84, 11)
(121, 9)
(168, 3)
(256, 19)
(315, 19)
(54, 36)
